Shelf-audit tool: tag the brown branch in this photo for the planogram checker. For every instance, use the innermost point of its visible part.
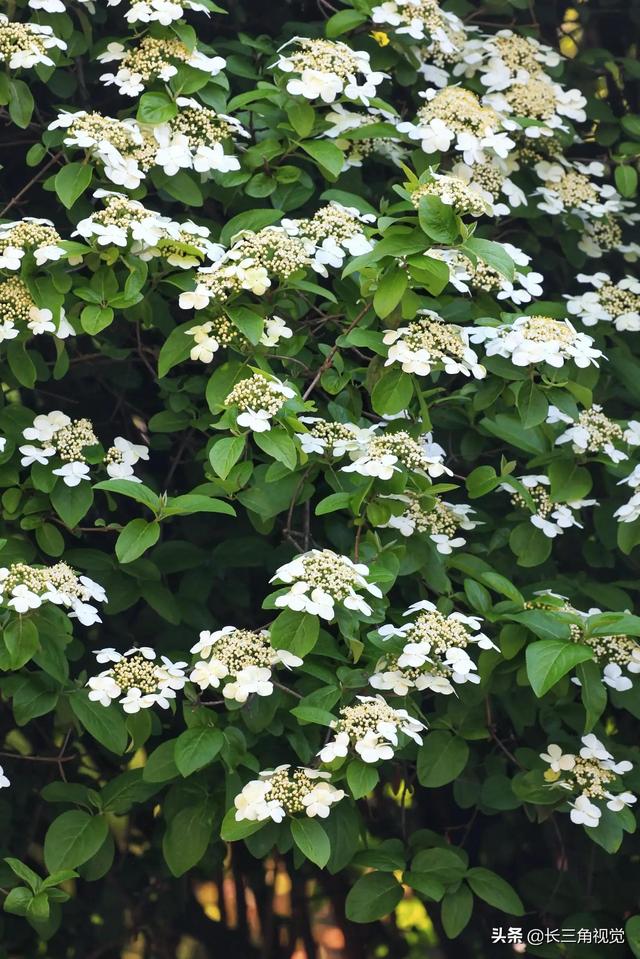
(31, 182)
(331, 356)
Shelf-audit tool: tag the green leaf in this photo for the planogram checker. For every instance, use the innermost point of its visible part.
(190, 503)
(21, 103)
(373, 896)
(457, 907)
(494, 890)
(332, 503)
(301, 116)
(362, 778)
(278, 444)
(392, 392)
(295, 632)
(72, 503)
(71, 182)
(187, 837)
(632, 931)
(155, 108)
(441, 758)
(569, 482)
(225, 454)
(326, 154)
(532, 404)
(249, 220)
(72, 839)
(23, 872)
(137, 491)
(551, 659)
(136, 538)
(626, 178)
(493, 254)
(196, 748)
(95, 318)
(104, 723)
(18, 900)
(311, 840)
(250, 323)
(21, 641)
(342, 22)
(438, 220)
(175, 349)
(592, 692)
(389, 293)
(232, 830)
(160, 766)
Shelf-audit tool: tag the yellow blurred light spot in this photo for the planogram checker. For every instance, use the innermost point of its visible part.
(139, 759)
(568, 47)
(571, 14)
(411, 914)
(282, 885)
(402, 796)
(381, 38)
(551, 776)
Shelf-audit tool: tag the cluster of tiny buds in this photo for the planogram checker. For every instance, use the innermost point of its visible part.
(71, 440)
(325, 56)
(323, 569)
(540, 495)
(210, 336)
(601, 430)
(363, 717)
(541, 329)
(401, 445)
(135, 672)
(152, 55)
(287, 791)
(256, 393)
(455, 192)
(460, 109)
(28, 235)
(617, 301)
(534, 99)
(26, 44)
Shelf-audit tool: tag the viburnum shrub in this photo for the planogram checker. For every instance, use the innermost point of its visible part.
(320, 469)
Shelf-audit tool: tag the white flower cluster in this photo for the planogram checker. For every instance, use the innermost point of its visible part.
(372, 728)
(608, 302)
(195, 139)
(546, 515)
(455, 117)
(382, 456)
(429, 343)
(320, 579)
(287, 791)
(464, 276)
(254, 260)
(328, 69)
(422, 20)
(29, 236)
(433, 655)
(19, 313)
(259, 399)
(590, 776)
(128, 224)
(243, 658)
(532, 340)
(153, 59)
(605, 235)
(594, 433)
(135, 679)
(441, 521)
(25, 45)
(68, 440)
(24, 587)
(569, 187)
(164, 12)
(454, 191)
(356, 151)
(492, 182)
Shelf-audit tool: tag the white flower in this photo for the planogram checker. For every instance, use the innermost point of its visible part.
(252, 679)
(134, 701)
(73, 473)
(251, 803)
(275, 329)
(208, 673)
(313, 85)
(621, 801)
(103, 689)
(584, 812)
(45, 426)
(592, 748)
(318, 802)
(558, 760)
(34, 454)
(372, 748)
(4, 782)
(23, 599)
(338, 748)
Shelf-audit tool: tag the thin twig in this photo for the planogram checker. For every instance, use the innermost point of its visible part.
(330, 357)
(27, 186)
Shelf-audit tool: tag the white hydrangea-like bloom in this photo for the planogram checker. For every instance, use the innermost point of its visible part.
(382, 456)
(533, 340)
(538, 105)
(546, 515)
(258, 399)
(605, 235)
(26, 45)
(570, 187)
(63, 438)
(441, 521)
(506, 57)
(608, 302)
(423, 20)
(371, 728)
(594, 433)
(429, 343)
(24, 587)
(128, 224)
(29, 237)
(122, 457)
(242, 658)
(492, 181)
(320, 579)
(136, 679)
(153, 59)
(20, 314)
(287, 791)
(327, 69)
(356, 151)
(125, 152)
(455, 118)
(453, 191)
(589, 776)
(164, 12)
(196, 139)
(431, 651)
(465, 277)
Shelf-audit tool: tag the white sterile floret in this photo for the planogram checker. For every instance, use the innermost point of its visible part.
(136, 679)
(591, 776)
(427, 343)
(122, 457)
(571, 188)
(195, 138)
(492, 182)
(24, 587)
(243, 658)
(326, 69)
(258, 399)
(607, 302)
(4, 781)
(287, 791)
(431, 651)
(424, 20)
(504, 57)
(593, 432)
(320, 579)
(532, 340)
(163, 12)
(275, 329)
(546, 515)
(153, 59)
(441, 521)
(371, 728)
(125, 152)
(63, 438)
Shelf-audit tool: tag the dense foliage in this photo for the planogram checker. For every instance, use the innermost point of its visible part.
(320, 477)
